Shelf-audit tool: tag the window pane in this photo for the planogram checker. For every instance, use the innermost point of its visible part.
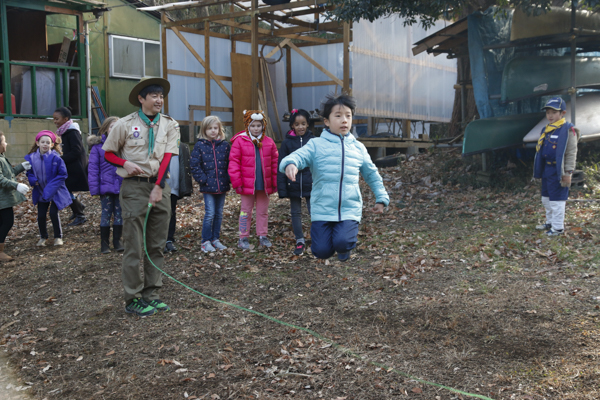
(152, 59)
(127, 57)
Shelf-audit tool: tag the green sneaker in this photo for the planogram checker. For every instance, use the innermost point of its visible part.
(159, 305)
(140, 308)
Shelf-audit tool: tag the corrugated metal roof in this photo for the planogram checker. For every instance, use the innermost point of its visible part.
(82, 3)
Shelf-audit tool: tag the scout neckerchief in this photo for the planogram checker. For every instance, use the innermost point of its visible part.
(257, 141)
(151, 125)
(549, 128)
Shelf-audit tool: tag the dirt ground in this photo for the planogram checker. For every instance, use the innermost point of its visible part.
(452, 285)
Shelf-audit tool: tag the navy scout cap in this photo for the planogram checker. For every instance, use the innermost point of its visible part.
(556, 103)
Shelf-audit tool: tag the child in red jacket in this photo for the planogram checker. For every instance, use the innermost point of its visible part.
(253, 174)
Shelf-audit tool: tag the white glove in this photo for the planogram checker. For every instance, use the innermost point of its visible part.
(22, 188)
(26, 165)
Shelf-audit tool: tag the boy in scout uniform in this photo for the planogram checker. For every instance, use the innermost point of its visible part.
(141, 145)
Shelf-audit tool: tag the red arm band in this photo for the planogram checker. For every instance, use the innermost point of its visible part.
(113, 159)
(162, 170)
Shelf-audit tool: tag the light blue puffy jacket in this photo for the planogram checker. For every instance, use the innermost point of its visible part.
(335, 163)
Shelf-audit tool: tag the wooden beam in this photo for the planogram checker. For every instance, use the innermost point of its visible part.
(313, 10)
(237, 14)
(216, 109)
(201, 61)
(265, 32)
(196, 74)
(346, 56)
(201, 32)
(163, 46)
(276, 49)
(312, 84)
(316, 64)
(436, 39)
(207, 80)
(286, 19)
(288, 76)
(267, 74)
(254, 55)
(195, 4)
(327, 26)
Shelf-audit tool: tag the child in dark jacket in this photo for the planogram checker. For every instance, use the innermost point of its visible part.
(210, 160)
(298, 136)
(104, 182)
(47, 177)
(180, 182)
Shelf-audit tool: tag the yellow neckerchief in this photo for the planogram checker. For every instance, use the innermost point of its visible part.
(549, 128)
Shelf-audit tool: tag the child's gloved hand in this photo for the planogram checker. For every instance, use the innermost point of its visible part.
(22, 188)
(290, 171)
(26, 165)
(378, 209)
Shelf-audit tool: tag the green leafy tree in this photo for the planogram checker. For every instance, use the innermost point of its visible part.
(426, 12)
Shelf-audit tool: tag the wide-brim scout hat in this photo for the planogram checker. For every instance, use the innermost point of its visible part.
(145, 82)
(556, 103)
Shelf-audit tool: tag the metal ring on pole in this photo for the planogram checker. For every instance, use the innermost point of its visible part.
(262, 49)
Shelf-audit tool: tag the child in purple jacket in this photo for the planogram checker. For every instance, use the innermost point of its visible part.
(47, 177)
(104, 181)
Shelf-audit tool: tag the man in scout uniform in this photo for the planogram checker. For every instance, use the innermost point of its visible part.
(141, 145)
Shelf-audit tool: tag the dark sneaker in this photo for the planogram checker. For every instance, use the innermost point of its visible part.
(299, 250)
(170, 247)
(140, 308)
(159, 305)
(78, 221)
(264, 241)
(244, 244)
(543, 227)
(555, 232)
(344, 256)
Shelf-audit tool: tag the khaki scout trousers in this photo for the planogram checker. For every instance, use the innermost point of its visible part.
(134, 205)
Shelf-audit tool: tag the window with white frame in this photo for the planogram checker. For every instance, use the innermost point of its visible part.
(133, 58)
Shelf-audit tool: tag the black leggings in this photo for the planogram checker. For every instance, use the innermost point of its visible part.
(42, 211)
(7, 219)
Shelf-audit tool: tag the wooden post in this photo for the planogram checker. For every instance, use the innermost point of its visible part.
(163, 46)
(254, 45)
(288, 76)
(207, 79)
(231, 9)
(346, 88)
(406, 129)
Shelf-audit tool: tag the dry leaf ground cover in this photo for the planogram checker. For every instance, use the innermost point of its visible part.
(451, 285)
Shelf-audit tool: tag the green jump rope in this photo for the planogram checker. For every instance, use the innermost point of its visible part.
(313, 333)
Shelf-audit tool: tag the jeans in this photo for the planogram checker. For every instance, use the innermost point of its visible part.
(54, 217)
(110, 205)
(296, 211)
(173, 221)
(213, 215)
(7, 219)
(329, 237)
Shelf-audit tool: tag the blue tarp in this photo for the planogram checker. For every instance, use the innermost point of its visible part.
(487, 28)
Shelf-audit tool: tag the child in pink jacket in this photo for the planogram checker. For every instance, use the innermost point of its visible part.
(253, 174)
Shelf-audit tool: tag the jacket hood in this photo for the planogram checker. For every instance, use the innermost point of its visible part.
(292, 135)
(332, 137)
(94, 140)
(203, 140)
(242, 134)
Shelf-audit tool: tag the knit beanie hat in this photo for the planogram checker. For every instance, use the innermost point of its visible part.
(255, 115)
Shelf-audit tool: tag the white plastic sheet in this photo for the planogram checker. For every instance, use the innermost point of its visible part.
(389, 82)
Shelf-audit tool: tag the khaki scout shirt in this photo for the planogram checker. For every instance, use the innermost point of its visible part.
(128, 139)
